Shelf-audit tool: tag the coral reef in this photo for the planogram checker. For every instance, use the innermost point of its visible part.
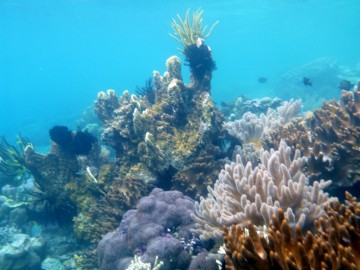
(137, 264)
(335, 133)
(329, 138)
(243, 194)
(326, 75)
(158, 227)
(334, 246)
(154, 142)
(253, 129)
(81, 190)
(20, 251)
(236, 109)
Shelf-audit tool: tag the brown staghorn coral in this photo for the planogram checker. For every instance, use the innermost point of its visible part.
(295, 133)
(329, 138)
(336, 245)
(335, 136)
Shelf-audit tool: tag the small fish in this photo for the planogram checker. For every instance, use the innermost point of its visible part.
(307, 81)
(346, 85)
(262, 79)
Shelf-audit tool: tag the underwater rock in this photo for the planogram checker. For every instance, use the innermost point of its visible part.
(20, 251)
(164, 138)
(52, 264)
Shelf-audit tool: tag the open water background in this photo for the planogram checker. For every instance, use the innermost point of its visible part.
(55, 56)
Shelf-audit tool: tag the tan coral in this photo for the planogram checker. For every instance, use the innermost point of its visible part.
(335, 246)
(335, 133)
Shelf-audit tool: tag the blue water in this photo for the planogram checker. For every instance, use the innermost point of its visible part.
(55, 56)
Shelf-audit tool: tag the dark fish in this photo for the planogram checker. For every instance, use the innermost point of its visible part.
(346, 85)
(262, 79)
(307, 81)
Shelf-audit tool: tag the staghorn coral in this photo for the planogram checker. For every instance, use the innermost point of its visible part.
(157, 141)
(243, 194)
(336, 245)
(295, 133)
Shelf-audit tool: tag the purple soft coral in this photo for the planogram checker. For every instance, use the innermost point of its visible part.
(160, 226)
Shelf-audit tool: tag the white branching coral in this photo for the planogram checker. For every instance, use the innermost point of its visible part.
(138, 264)
(243, 193)
(289, 110)
(248, 129)
(251, 128)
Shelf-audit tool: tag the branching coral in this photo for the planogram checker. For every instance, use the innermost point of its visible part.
(335, 246)
(188, 31)
(254, 129)
(243, 194)
(335, 129)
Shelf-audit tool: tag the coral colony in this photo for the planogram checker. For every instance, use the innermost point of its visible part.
(159, 189)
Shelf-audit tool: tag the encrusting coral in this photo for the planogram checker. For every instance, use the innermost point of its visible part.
(336, 245)
(243, 194)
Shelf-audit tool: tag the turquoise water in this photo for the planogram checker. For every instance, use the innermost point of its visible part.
(55, 56)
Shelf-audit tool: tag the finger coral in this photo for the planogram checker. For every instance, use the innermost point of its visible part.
(243, 193)
(336, 244)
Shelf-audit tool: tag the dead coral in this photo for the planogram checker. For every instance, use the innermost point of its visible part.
(335, 246)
